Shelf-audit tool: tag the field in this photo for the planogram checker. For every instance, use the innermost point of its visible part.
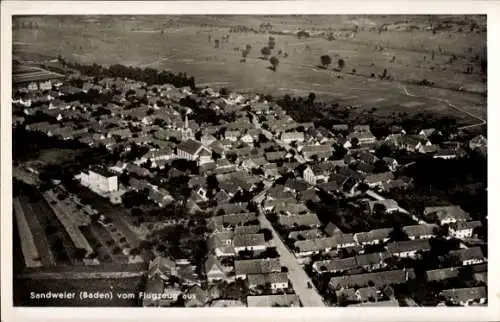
(181, 44)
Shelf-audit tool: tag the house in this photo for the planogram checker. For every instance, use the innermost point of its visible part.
(138, 170)
(232, 136)
(305, 234)
(221, 244)
(307, 220)
(368, 294)
(446, 214)
(363, 138)
(275, 280)
(442, 274)
(252, 242)
(342, 128)
(445, 154)
(196, 297)
(214, 269)
(478, 142)
(426, 133)
(303, 248)
(408, 248)
(377, 279)
(243, 268)
(389, 205)
(275, 156)
(332, 229)
(243, 230)
(372, 237)
(320, 151)
(207, 139)
(337, 265)
(317, 173)
(463, 229)
(468, 256)
(99, 180)
(271, 170)
(422, 231)
(289, 137)
(248, 139)
(427, 149)
(226, 303)
(233, 220)
(195, 151)
(391, 163)
(162, 267)
(466, 296)
(372, 261)
(378, 179)
(286, 300)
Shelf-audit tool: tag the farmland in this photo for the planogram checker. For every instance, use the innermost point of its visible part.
(408, 56)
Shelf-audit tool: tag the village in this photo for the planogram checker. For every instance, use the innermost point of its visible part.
(229, 202)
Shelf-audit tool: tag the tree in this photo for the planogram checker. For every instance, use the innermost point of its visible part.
(384, 74)
(274, 62)
(397, 233)
(80, 253)
(326, 60)
(268, 235)
(341, 63)
(244, 55)
(217, 43)
(311, 98)
(265, 52)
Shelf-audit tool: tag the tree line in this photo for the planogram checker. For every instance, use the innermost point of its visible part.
(148, 75)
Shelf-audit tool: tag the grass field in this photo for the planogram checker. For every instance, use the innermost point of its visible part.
(183, 46)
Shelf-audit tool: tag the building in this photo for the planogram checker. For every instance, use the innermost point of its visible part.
(466, 296)
(408, 248)
(463, 229)
(468, 256)
(285, 300)
(99, 180)
(289, 137)
(243, 268)
(377, 279)
(446, 214)
(251, 242)
(275, 281)
(389, 205)
(373, 237)
(422, 231)
(194, 151)
(214, 269)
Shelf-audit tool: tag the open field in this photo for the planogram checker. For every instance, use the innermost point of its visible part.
(181, 44)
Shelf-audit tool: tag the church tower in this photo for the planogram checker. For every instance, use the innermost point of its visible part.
(187, 132)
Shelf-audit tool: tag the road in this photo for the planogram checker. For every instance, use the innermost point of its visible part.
(308, 296)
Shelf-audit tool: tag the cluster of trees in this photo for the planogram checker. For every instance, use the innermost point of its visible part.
(148, 75)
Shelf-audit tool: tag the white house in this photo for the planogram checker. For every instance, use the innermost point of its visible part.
(99, 180)
(463, 229)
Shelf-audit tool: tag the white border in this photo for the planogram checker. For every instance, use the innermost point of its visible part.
(8, 8)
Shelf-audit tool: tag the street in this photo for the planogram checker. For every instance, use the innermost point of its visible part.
(308, 296)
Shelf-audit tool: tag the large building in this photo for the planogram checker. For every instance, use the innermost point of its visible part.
(33, 78)
(99, 180)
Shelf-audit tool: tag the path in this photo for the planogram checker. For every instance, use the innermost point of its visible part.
(483, 121)
(308, 296)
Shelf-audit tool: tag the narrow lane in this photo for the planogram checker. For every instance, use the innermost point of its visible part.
(308, 296)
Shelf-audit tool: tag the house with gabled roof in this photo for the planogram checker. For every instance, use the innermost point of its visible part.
(243, 268)
(446, 214)
(466, 296)
(276, 280)
(252, 242)
(408, 248)
(378, 279)
(375, 236)
(463, 229)
(214, 269)
(468, 256)
(162, 267)
(422, 231)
